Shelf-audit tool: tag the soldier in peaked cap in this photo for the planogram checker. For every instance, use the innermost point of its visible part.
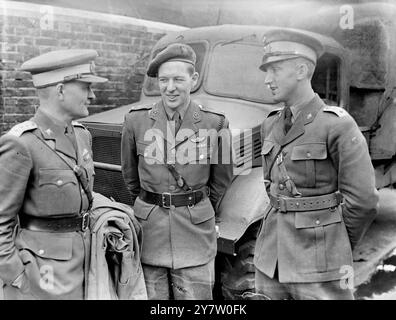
(176, 194)
(319, 179)
(46, 178)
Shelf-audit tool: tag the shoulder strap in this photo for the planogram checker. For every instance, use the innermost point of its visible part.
(340, 112)
(20, 128)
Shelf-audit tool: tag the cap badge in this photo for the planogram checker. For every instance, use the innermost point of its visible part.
(196, 115)
(267, 49)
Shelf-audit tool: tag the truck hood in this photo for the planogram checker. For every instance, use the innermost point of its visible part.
(241, 114)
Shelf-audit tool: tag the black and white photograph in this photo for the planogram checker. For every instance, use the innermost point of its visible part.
(216, 151)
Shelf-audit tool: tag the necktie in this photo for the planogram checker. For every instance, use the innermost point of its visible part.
(177, 119)
(288, 119)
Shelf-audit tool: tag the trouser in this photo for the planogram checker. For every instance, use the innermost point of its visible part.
(192, 283)
(272, 289)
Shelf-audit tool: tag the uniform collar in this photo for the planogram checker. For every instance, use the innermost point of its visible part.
(307, 114)
(170, 112)
(297, 108)
(53, 129)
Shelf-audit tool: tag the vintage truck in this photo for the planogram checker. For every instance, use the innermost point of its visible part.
(356, 72)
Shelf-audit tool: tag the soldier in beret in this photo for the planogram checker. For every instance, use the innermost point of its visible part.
(176, 186)
(319, 179)
(46, 178)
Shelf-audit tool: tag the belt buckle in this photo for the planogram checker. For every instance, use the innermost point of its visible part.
(85, 221)
(163, 198)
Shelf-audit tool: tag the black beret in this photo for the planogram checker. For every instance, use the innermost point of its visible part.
(173, 52)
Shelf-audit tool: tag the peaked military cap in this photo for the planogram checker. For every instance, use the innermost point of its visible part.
(62, 66)
(173, 52)
(285, 44)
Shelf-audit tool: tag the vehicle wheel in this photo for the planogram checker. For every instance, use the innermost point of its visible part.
(237, 275)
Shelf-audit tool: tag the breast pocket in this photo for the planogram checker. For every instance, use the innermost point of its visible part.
(150, 162)
(58, 192)
(306, 157)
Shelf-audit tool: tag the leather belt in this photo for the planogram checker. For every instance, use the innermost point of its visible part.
(61, 224)
(284, 204)
(166, 200)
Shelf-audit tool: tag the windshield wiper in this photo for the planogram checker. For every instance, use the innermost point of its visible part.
(253, 35)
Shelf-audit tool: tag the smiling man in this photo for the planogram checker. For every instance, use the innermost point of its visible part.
(175, 195)
(46, 178)
(319, 179)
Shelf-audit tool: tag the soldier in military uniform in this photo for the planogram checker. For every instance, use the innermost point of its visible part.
(176, 181)
(46, 177)
(319, 179)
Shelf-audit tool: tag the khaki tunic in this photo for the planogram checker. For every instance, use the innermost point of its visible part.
(183, 236)
(36, 182)
(323, 152)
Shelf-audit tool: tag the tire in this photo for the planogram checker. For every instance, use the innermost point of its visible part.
(237, 275)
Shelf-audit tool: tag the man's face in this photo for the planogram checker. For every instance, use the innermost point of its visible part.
(175, 83)
(77, 96)
(281, 78)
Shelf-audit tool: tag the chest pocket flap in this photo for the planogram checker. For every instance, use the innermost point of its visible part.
(57, 177)
(267, 147)
(309, 151)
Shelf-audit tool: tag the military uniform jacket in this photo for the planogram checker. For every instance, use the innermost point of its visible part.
(180, 236)
(323, 152)
(36, 182)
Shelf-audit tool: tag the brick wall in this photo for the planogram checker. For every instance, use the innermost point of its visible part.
(27, 30)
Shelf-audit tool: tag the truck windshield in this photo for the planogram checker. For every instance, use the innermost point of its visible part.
(151, 84)
(234, 72)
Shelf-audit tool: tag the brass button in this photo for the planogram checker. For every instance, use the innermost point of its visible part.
(317, 221)
(172, 188)
(41, 251)
(308, 154)
(201, 156)
(281, 186)
(59, 182)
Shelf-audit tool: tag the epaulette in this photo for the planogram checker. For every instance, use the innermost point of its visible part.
(20, 128)
(78, 124)
(336, 110)
(206, 109)
(141, 107)
(274, 112)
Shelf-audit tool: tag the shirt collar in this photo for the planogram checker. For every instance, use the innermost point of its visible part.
(170, 112)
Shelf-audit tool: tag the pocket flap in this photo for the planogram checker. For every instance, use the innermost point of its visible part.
(201, 212)
(48, 245)
(309, 151)
(58, 177)
(142, 209)
(267, 147)
(311, 219)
